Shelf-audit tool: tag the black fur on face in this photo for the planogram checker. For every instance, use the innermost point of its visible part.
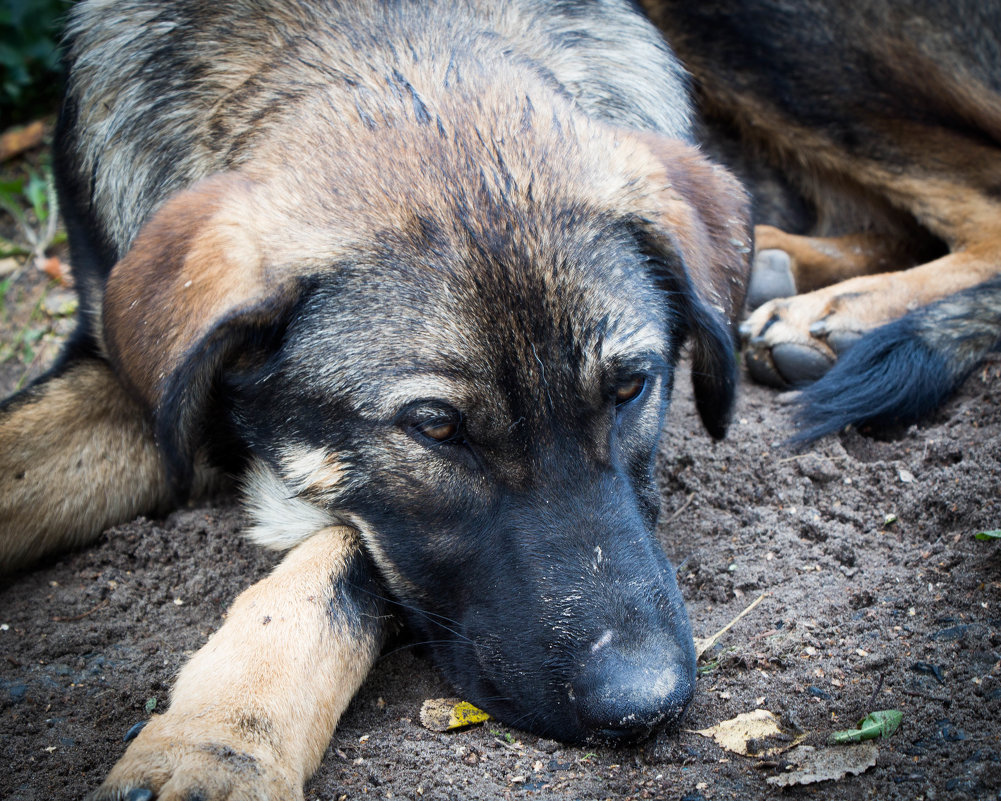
(487, 414)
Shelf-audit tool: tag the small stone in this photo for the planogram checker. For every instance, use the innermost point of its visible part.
(817, 468)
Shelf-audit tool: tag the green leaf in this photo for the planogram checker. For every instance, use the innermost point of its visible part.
(10, 190)
(37, 192)
(707, 668)
(876, 724)
(989, 535)
(150, 705)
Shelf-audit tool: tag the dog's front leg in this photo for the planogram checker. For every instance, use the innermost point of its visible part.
(254, 709)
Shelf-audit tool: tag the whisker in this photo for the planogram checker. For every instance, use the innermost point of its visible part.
(405, 646)
(431, 617)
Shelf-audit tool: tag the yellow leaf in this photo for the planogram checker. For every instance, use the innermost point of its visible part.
(443, 714)
(734, 734)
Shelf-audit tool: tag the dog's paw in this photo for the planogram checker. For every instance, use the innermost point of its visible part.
(771, 277)
(794, 341)
(168, 762)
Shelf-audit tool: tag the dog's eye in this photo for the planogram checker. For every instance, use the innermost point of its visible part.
(440, 431)
(435, 422)
(630, 389)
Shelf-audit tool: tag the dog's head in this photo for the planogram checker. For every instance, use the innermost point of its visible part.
(469, 359)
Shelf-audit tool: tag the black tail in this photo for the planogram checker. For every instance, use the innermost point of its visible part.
(906, 369)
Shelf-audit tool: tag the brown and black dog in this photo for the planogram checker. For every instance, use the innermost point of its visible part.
(870, 134)
(419, 274)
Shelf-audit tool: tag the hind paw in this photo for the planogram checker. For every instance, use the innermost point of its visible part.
(794, 341)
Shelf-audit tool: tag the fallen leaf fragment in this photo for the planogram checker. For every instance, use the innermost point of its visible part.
(735, 734)
(703, 644)
(16, 141)
(989, 535)
(444, 714)
(60, 303)
(875, 724)
(54, 269)
(827, 764)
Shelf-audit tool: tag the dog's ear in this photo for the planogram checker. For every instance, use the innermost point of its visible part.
(695, 226)
(193, 290)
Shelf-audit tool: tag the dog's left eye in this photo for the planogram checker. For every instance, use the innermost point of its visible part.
(439, 431)
(439, 424)
(630, 389)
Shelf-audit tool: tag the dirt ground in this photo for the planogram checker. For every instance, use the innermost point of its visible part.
(878, 597)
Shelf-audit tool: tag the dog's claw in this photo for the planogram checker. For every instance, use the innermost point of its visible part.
(819, 329)
(785, 364)
(133, 731)
(794, 341)
(139, 794)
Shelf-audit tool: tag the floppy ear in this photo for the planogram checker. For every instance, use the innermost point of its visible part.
(193, 289)
(696, 229)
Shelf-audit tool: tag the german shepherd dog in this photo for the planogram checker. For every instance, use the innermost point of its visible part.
(870, 134)
(419, 273)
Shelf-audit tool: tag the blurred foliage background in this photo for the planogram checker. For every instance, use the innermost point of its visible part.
(36, 298)
(30, 73)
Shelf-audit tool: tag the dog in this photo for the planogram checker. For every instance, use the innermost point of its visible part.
(420, 275)
(869, 134)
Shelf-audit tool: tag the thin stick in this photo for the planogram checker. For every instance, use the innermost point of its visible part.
(680, 509)
(704, 644)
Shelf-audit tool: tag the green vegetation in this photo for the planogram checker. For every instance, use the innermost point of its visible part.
(29, 58)
(31, 201)
(876, 724)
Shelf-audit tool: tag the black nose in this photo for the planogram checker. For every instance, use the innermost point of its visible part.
(622, 696)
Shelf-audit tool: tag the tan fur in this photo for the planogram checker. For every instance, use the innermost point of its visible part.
(76, 456)
(315, 472)
(703, 208)
(817, 261)
(252, 712)
(191, 264)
